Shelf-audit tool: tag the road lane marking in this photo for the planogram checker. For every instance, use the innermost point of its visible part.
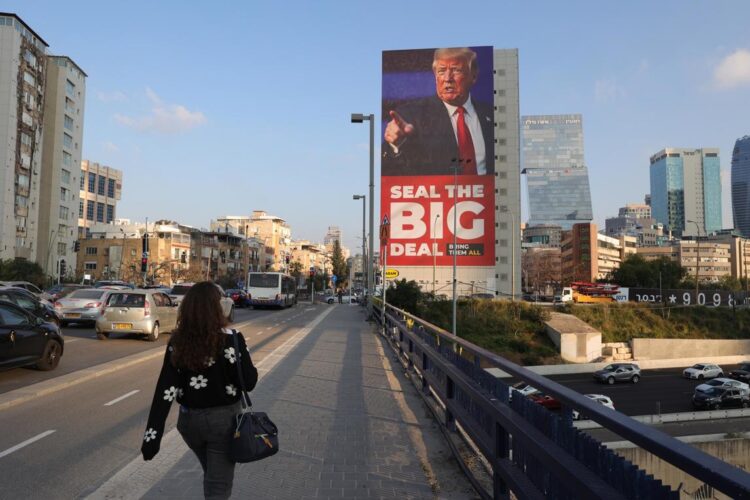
(138, 477)
(70, 341)
(117, 400)
(26, 443)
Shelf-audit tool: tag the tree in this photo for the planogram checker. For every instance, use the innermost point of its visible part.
(295, 269)
(339, 264)
(404, 295)
(22, 270)
(636, 271)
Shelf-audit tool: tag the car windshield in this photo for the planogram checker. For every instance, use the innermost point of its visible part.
(609, 368)
(264, 280)
(699, 367)
(87, 294)
(127, 299)
(180, 290)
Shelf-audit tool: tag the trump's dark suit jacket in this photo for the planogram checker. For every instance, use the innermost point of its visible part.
(431, 147)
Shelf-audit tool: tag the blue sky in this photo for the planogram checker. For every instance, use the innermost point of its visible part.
(224, 107)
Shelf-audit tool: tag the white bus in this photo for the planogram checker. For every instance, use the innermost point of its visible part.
(271, 289)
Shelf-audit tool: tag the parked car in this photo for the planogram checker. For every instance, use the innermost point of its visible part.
(703, 370)
(742, 373)
(82, 306)
(549, 402)
(59, 291)
(28, 301)
(145, 312)
(24, 284)
(720, 398)
(26, 339)
(345, 299)
(599, 398)
(227, 304)
(618, 372)
(239, 297)
(113, 283)
(521, 388)
(723, 383)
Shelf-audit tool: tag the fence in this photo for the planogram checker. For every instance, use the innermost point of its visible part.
(532, 452)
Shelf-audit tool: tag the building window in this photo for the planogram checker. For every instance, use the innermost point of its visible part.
(25, 139)
(68, 122)
(89, 210)
(100, 212)
(70, 89)
(111, 188)
(64, 194)
(67, 159)
(110, 213)
(89, 266)
(23, 181)
(92, 182)
(503, 277)
(65, 176)
(64, 212)
(503, 243)
(80, 209)
(102, 185)
(83, 182)
(69, 105)
(67, 140)
(21, 201)
(91, 250)
(29, 78)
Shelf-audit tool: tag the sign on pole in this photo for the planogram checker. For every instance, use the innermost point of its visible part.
(391, 273)
(385, 231)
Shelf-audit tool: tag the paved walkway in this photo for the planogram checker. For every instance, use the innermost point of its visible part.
(350, 426)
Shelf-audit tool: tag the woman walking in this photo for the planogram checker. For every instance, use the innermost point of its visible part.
(199, 371)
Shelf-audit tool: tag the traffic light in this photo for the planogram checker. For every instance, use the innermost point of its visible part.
(312, 272)
(287, 259)
(144, 264)
(183, 257)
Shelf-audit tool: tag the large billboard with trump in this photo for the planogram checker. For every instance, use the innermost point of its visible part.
(437, 162)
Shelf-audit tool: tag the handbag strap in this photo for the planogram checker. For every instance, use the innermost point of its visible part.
(246, 403)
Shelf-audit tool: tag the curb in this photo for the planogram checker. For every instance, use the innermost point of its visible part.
(18, 396)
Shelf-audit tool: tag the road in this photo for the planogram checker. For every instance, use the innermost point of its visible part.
(65, 444)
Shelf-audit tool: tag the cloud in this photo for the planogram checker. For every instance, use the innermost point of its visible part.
(164, 118)
(733, 70)
(114, 96)
(110, 147)
(608, 89)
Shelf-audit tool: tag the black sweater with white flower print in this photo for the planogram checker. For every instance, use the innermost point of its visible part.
(216, 385)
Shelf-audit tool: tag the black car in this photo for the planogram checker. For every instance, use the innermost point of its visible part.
(742, 373)
(716, 398)
(28, 301)
(26, 339)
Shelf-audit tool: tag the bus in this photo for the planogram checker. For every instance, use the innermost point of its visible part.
(271, 290)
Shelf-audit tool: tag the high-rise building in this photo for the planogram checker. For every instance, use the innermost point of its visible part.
(23, 64)
(57, 231)
(101, 187)
(333, 234)
(741, 185)
(557, 179)
(686, 190)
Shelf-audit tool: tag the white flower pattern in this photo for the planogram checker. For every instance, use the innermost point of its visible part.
(210, 362)
(198, 382)
(231, 390)
(170, 394)
(150, 434)
(230, 355)
(180, 392)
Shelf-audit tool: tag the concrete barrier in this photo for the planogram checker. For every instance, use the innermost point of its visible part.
(683, 348)
(578, 342)
(666, 418)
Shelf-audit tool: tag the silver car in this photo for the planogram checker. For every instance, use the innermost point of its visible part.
(703, 370)
(82, 306)
(723, 383)
(144, 312)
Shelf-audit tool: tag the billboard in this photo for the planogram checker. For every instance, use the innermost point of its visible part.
(438, 160)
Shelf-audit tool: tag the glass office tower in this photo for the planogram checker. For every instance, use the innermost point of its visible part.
(741, 185)
(557, 179)
(686, 190)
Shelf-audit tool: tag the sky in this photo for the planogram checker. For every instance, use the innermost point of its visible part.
(221, 108)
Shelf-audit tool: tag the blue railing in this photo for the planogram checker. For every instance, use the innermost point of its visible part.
(533, 452)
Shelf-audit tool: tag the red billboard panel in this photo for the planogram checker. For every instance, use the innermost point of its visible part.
(437, 161)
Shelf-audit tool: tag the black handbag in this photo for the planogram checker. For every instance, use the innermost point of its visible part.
(255, 436)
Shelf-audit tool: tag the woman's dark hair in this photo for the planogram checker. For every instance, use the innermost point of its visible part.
(199, 334)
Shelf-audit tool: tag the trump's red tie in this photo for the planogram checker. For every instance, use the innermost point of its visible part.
(465, 145)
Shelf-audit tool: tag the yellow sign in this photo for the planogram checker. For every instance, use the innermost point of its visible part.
(391, 273)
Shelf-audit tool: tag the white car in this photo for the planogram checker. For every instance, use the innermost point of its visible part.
(723, 383)
(345, 299)
(227, 304)
(703, 370)
(599, 398)
(522, 388)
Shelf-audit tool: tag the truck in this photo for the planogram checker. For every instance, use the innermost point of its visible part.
(581, 292)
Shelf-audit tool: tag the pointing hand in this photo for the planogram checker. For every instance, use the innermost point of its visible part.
(397, 129)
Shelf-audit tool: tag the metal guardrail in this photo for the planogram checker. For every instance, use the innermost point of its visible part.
(535, 453)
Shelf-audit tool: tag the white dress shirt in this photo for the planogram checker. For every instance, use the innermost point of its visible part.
(475, 129)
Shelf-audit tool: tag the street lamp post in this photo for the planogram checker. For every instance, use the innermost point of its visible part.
(359, 118)
(455, 165)
(364, 240)
(434, 254)
(697, 257)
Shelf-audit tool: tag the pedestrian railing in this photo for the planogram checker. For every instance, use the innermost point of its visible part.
(533, 452)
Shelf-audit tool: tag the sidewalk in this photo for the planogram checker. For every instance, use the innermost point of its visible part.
(350, 426)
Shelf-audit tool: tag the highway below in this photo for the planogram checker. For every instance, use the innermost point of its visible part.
(66, 443)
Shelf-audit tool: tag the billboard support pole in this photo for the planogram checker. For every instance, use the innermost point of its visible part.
(385, 267)
(455, 167)
(370, 274)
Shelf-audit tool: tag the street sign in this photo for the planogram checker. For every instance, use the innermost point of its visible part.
(385, 231)
(391, 273)
(333, 278)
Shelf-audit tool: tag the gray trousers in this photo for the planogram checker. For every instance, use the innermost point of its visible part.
(207, 431)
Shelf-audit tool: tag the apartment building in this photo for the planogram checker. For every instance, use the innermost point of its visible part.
(713, 259)
(311, 256)
(100, 189)
(23, 67)
(275, 234)
(587, 255)
(63, 140)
